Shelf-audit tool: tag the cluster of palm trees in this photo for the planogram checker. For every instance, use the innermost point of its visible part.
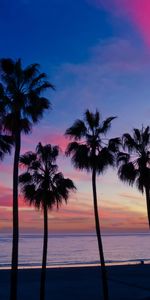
(21, 106)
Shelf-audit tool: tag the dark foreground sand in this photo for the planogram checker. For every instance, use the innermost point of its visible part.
(81, 283)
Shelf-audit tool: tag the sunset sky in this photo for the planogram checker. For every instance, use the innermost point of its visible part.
(97, 54)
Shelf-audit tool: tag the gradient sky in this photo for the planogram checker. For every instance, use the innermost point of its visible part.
(97, 54)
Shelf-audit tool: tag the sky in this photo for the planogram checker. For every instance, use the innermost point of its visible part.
(97, 54)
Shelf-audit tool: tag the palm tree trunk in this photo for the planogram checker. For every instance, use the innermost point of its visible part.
(98, 232)
(14, 265)
(148, 203)
(45, 243)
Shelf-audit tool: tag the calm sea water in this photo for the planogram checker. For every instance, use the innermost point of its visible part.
(76, 249)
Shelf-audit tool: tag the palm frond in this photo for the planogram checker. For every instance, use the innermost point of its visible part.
(103, 160)
(38, 81)
(146, 136)
(137, 135)
(25, 179)
(25, 125)
(37, 107)
(123, 158)
(42, 87)
(29, 192)
(18, 71)
(92, 119)
(79, 155)
(30, 72)
(129, 143)
(114, 144)
(63, 188)
(81, 158)
(140, 184)
(106, 125)
(6, 143)
(71, 148)
(48, 152)
(7, 66)
(77, 130)
(97, 118)
(2, 96)
(27, 159)
(127, 173)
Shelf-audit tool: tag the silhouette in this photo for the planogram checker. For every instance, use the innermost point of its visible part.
(44, 187)
(6, 141)
(90, 152)
(134, 165)
(5, 145)
(24, 106)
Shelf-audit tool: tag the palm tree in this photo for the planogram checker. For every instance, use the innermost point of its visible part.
(44, 187)
(134, 165)
(21, 95)
(90, 151)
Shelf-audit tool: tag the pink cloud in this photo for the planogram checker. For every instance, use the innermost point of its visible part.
(137, 11)
(6, 196)
(56, 139)
(44, 135)
(78, 213)
(78, 176)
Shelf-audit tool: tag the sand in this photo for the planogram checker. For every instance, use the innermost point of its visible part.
(82, 283)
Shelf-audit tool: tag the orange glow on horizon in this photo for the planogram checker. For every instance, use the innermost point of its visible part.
(78, 215)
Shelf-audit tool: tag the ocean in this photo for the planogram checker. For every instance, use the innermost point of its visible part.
(72, 249)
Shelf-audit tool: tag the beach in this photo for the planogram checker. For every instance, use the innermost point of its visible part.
(128, 282)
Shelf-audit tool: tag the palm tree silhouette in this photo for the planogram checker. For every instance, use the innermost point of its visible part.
(5, 145)
(90, 151)
(6, 140)
(44, 187)
(24, 106)
(134, 165)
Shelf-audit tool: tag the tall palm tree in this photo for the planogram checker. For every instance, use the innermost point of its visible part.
(134, 164)
(21, 95)
(44, 187)
(91, 151)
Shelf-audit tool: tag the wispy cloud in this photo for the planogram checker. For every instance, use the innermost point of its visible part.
(130, 196)
(136, 11)
(117, 72)
(46, 135)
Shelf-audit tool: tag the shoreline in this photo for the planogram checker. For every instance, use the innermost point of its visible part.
(83, 265)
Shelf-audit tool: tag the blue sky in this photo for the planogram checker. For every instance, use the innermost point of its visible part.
(97, 54)
(57, 31)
